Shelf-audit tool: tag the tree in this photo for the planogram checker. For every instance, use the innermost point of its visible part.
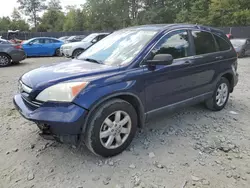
(15, 15)
(54, 5)
(5, 23)
(32, 8)
(53, 17)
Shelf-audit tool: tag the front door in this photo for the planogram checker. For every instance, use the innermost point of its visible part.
(169, 84)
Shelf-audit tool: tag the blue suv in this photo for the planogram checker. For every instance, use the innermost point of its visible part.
(102, 97)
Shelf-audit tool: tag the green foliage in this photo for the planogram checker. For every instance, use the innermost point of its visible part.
(14, 23)
(32, 8)
(53, 18)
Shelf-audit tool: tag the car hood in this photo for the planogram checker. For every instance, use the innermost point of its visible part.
(237, 48)
(55, 73)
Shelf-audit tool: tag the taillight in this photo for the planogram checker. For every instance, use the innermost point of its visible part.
(18, 47)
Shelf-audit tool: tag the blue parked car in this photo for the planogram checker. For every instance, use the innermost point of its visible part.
(42, 46)
(104, 95)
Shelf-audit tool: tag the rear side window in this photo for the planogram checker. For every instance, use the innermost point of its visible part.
(204, 42)
(222, 44)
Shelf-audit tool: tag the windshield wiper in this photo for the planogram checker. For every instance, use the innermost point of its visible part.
(93, 60)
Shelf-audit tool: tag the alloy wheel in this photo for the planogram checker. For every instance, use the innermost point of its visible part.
(4, 60)
(115, 129)
(221, 94)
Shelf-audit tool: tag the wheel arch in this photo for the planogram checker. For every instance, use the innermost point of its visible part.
(229, 76)
(4, 53)
(128, 97)
(79, 48)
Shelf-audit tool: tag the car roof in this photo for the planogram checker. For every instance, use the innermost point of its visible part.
(45, 38)
(162, 27)
(100, 33)
(240, 39)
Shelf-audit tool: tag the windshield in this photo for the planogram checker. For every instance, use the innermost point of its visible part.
(119, 48)
(238, 42)
(63, 38)
(2, 41)
(89, 38)
(71, 38)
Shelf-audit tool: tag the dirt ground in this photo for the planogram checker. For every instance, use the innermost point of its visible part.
(192, 147)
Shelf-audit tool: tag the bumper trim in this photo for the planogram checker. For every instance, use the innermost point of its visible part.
(62, 118)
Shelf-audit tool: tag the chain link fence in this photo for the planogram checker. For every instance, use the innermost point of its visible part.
(237, 32)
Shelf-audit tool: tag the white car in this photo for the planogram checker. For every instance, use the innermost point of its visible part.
(76, 48)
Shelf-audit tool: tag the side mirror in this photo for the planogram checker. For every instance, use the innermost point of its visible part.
(94, 40)
(161, 59)
(30, 43)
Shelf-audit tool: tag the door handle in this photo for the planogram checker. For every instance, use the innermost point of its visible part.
(219, 57)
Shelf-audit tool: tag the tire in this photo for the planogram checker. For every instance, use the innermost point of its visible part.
(212, 103)
(77, 52)
(242, 53)
(4, 60)
(57, 52)
(96, 125)
(15, 62)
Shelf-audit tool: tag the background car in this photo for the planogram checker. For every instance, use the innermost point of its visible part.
(241, 46)
(75, 38)
(64, 38)
(230, 36)
(76, 48)
(10, 53)
(42, 46)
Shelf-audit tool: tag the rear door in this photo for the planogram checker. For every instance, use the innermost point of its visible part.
(50, 46)
(205, 59)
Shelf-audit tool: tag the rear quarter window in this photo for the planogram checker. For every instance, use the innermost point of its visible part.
(222, 43)
(204, 42)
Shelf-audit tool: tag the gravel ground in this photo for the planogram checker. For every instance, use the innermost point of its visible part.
(192, 147)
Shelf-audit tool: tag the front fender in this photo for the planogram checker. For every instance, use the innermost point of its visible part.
(93, 94)
(92, 98)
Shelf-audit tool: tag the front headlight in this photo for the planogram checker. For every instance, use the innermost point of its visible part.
(68, 47)
(63, 92)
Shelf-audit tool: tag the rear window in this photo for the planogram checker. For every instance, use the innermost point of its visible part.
(222, 44)
(204, 42)
(2, 41)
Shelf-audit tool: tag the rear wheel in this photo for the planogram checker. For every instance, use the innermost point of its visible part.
(57, 52)
(243, 53)
(220, 96)
(77, 52)
(15, 62)
(4, 60)
(111, 128)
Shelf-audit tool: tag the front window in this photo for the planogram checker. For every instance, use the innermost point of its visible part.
(176, 43)
(238, 42)
(119, 48)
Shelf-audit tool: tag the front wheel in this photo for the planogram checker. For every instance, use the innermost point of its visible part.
(77, 52)
(111, 128)
(220, 96)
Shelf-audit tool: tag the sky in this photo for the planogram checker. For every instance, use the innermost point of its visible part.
(7, 8)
